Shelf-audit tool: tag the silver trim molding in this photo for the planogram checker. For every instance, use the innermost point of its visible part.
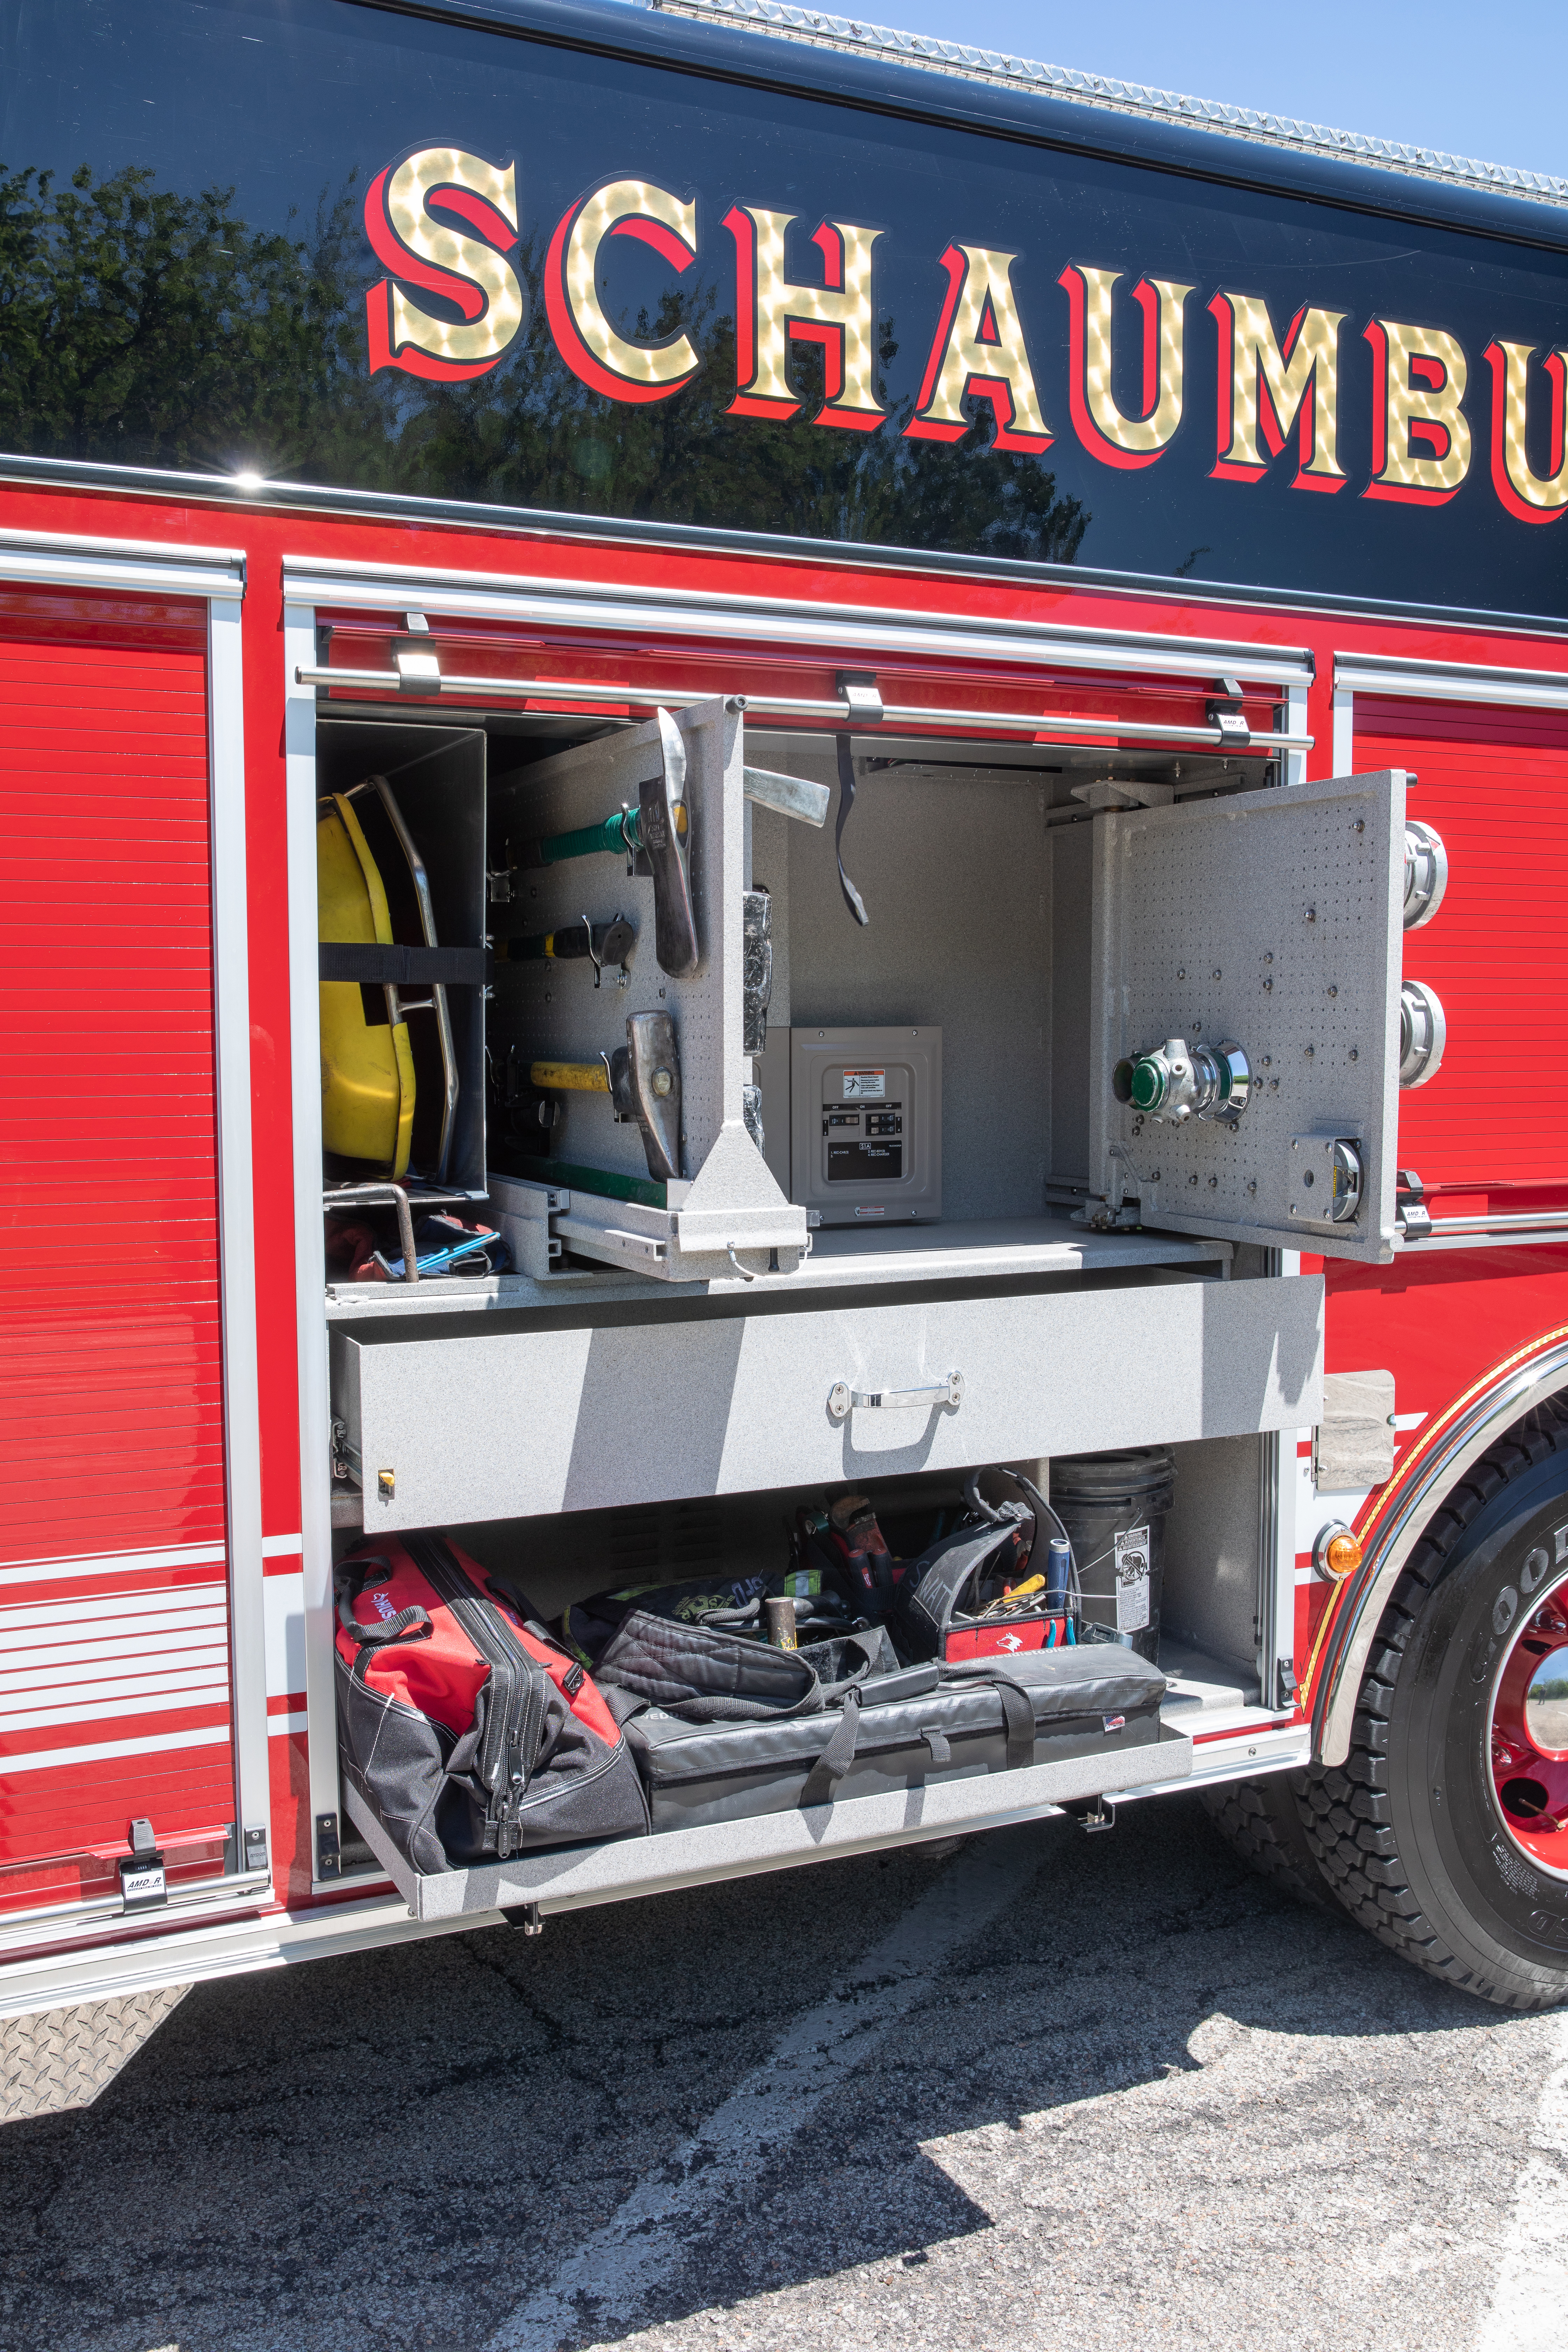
(811, 27)
(1397, 674)
(838, 628)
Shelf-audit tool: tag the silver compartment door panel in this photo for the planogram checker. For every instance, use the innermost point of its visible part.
(1273, 918)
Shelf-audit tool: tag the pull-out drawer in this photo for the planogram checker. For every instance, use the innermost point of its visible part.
(562, 1413)
(573, 1878)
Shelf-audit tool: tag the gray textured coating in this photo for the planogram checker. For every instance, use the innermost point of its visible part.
(576, 1878)
(1274, 919)
(503, 1424)
(952, 868)
(978, 1250)
(1147, 2102)
(552, 1011)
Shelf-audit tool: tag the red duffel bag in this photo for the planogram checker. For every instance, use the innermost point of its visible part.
(468, 1731)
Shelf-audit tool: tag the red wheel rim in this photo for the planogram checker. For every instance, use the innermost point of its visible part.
(1529, 1732)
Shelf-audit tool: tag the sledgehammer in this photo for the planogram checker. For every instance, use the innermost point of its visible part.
(641, 1077)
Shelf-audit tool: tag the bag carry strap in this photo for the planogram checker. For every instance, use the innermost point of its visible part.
(1018, 1715)
(822, 1781)
(411, 1624)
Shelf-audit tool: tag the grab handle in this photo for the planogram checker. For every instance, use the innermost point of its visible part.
(842, 1397)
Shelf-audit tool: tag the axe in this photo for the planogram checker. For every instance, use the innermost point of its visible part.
(651, 836)
(641, 1077)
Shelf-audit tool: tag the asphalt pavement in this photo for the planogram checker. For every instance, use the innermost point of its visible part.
(1033, 2092)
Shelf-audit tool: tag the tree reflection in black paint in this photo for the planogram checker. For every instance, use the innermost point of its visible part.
(146, 328)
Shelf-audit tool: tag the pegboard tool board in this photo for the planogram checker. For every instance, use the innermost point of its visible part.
(551, 1011)
(1273, 918)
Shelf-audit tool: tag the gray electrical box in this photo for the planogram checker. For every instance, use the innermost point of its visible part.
(864, 1122)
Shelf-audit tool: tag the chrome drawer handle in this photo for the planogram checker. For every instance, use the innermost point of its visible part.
(841, 1397)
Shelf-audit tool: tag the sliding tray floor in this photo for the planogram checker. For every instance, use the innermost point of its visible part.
(571, 1878)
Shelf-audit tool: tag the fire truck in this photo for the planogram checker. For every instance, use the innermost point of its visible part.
(516, 466)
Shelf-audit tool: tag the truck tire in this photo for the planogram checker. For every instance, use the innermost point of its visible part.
(1264, 1821)
(1445, 1831)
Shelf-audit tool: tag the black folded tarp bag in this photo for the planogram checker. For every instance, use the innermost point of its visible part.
(731, 1602)
(718, 1738)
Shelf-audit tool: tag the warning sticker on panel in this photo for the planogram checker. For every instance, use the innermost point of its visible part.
(865, 1086)
(1132, 1580)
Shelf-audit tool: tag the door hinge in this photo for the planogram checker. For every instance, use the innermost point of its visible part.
(329, 1853)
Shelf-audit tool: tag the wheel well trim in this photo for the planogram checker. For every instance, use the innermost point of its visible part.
(1451, 1449)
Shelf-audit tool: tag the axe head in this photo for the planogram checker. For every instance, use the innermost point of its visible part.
(645, 1085)
(674, 924)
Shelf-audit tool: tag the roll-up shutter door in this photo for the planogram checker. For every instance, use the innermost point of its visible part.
(114, 1690)
(1495, 784)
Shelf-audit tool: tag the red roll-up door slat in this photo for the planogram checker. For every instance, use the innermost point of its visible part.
(114, 1698)
(1495, 784)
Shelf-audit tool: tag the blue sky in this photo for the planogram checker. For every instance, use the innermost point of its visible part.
(1484, 82)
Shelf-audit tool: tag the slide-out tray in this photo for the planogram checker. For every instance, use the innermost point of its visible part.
(570, 1878)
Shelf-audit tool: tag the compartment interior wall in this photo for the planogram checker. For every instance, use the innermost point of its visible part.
(953, 866)
(1211, 1594)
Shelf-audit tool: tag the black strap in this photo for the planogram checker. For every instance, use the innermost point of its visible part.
(411, 1624)
(1018, 1715)
(836, 1758)
(852, 898)
(380, 966)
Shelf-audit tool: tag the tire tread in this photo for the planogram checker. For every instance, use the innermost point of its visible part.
(1358, 1857)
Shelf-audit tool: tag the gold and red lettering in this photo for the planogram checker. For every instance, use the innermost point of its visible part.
(1420, 433)
(411, 211)
(1264, 390)
(592, 348)
(773, 311)
(1105, 432)
(1529, 496)
(979, 353)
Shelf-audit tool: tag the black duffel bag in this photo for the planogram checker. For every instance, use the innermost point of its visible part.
(705, 1760)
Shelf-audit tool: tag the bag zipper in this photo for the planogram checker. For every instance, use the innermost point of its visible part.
(514, 1712)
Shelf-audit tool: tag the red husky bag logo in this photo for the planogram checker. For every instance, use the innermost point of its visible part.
(443, 221)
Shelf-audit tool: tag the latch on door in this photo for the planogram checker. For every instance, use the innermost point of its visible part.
(1327, 1174)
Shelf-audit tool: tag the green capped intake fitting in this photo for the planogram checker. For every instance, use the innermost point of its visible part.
(1177, 1082)
(1150, 1082)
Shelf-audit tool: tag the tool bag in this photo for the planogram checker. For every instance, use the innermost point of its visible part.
(467, 1729)
(953, 1602)
(893, 1731)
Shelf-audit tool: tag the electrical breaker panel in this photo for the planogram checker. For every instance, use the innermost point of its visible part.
(865, 1124)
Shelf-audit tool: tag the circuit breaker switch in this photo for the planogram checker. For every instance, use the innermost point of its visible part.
(1177, 1082)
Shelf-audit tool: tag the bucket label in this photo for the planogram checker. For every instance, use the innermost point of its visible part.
(1132, 1580)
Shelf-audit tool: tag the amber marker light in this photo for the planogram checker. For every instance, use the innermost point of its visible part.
(1337, 1552)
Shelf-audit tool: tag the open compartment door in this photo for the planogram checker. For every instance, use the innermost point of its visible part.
(1243, 1059)
(620, 1068)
